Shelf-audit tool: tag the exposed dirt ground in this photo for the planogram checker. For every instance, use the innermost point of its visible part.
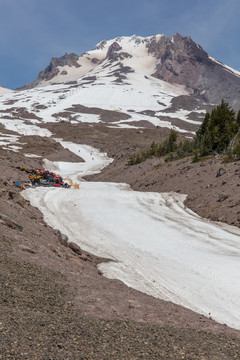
(55, 304)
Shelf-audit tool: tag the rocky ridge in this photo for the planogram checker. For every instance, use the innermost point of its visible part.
(182, 61)
(52, 69)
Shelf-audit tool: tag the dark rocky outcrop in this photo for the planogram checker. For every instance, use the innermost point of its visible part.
(101, 45)
(52, 69)
(182, 61)
(114, 53)
(75, 248)
(113, 50)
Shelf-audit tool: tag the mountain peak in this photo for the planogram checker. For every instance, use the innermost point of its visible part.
(52, 69)
(177, 60)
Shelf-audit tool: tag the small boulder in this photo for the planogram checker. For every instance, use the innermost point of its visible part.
(222, 197)
(74, 247)
(221, 172)
(20, 200)
(63, 239)
(56, 232)
(12, 194)
(27, 249)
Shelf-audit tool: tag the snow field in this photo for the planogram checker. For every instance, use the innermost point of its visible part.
(94, 161)
(22, 128)
(158, 246)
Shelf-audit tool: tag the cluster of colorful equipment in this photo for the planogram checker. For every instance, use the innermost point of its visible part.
(39, 177)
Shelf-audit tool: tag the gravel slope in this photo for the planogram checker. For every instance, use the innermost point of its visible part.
(56, 305)
(37, 322)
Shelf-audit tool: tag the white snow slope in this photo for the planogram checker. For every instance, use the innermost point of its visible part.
(158, 246)
(124, 85)
(4, 90)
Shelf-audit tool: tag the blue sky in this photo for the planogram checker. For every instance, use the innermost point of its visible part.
(34, 31)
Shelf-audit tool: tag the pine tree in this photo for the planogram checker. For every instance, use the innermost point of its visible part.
(202, 130)
(238, 118)
(171, 145)
(217, 129)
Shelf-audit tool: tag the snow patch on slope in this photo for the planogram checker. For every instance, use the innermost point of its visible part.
(4, 90)
(95, 161)
(158, 246)
(24, 129)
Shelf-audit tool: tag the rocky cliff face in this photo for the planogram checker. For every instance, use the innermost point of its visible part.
(114, 53)
(52, 69)
(182, 61)
(179, 60)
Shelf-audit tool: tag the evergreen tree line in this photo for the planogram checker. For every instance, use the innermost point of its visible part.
(218, 133)
(169, 147)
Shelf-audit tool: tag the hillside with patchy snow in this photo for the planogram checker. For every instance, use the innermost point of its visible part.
(129, 82)
(113, 84)
(159, 246)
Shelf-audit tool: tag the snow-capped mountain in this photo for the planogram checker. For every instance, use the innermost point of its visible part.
(176, 60)
(138, 81)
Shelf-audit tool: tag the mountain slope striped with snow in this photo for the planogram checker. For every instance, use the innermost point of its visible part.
(127, 82)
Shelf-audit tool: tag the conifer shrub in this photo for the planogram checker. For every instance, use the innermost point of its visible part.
(217, 130)
(218, 133)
